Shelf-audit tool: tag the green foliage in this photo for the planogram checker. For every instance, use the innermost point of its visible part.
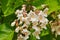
(32, 37)
(8, 8)
(5, 32)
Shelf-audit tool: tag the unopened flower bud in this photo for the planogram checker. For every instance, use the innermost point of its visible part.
(17, 29)
(13, 23)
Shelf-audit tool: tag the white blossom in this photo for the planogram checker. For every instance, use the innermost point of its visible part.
(43, 25)
(43, 5)
(17, 11)
(46, 21)
(20, 37)
(25, 19)
(19, 16)
(25, 26)
(20, 22)
(36, 34)
(24, 7)
(34, 20)
(41, 19)
(13, 23)
(53, 27)
(38, 19)
(41, 12)
(35, 23)
(34, 8)
(58, 30)
(26, 32)
(59, 16)
(36, 28)
(17, 29)
(26, 37)
(29, 15)
(45, 12)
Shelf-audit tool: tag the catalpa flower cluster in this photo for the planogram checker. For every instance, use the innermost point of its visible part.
(55, 26)
(26, 21)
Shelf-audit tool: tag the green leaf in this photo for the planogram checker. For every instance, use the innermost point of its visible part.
(9, 6)
(32, 37)
(53, 4)
(5, 33)
(44, 33)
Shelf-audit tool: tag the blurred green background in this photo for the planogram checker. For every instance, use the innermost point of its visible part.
(7, 9)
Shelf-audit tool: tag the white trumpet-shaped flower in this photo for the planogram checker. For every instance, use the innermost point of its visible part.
(46, 21)
(36, 34)
(33, 19)
(25, 19)
(19, 16)
(26, 37)
(36, 28)
(25, 25)
(45, 12)
(17, 11)
(24, 7)
(41, 12)
(29, 15)
(32, 16)
(53, 27)
(58, 30)
(35, 23)
(26, 33)
(42, 19)
(43, 25)
(21, 37)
